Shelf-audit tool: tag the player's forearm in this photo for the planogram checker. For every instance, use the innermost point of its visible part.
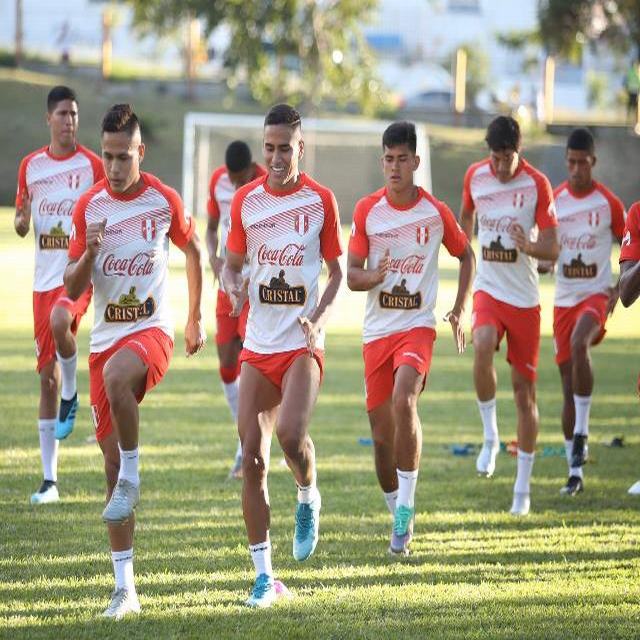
(361, 279)
(231, 276)
(211, 239)
(465, 279)
(544, 249)
(630, 284)
(467, 219)
(77, 275)
(21, 225)
(320, 316)
(193, 268)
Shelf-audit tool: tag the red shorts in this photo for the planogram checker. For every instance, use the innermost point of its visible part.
(566, 318)
(274, 365)
(521, 324)
(383, 356)
(153, 346)
(228, 328)
(43, 303)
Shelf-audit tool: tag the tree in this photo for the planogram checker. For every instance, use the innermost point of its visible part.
(306, 51)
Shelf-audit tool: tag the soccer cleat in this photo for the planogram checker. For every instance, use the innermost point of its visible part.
(580, 450)
(573, 487)
(124, 500)
(402, 531)
(521, 504)
(236, 470)
(66, 417)
(305, 535)
(634, 489)
(486, 461)
(48, 492)
(122, 602)
(264, 592)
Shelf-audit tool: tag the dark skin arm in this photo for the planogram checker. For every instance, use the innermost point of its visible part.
(465, 278)
(629, 282)
(212, 247)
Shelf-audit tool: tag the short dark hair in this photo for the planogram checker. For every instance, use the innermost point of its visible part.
(504, 133)
(237, 157)
(400, 133)
(283, 114)
(120, 117)
(58, 94)
(581, 139)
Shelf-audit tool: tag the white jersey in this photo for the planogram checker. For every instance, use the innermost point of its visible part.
(412, 235)
(527, 199)
(129, 274)
(586, 227)
(285, 236)
(54, 183)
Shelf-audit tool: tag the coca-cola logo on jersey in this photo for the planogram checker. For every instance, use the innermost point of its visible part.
(409, 264)
(503, 224)
(583, 241)
(140, 265)
(292, 255)
(56, 207)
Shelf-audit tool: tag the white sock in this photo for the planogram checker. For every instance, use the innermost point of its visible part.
(307, 494)
(230, 390)
(568, 449)
(68, 370)
(489, 419)
(391, 499)
(48, 449)
(129, 466)
(523, 476)
(407, 481)
(583, 406)
(123, 569)
(261, 556)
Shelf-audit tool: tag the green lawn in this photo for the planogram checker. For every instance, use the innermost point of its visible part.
(569, 570)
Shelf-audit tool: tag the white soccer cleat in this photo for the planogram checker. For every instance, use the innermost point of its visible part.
(122, 603)
(47, 493)
(486, 460)
(521, 504)
(634, 489)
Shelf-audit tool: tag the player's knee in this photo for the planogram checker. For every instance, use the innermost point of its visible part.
(579, 349)
(525, 395)
(114, 385)
(48, 382)
(403, 403)
(253, 464)
(290, 440)
(483, 347)
(59, 322)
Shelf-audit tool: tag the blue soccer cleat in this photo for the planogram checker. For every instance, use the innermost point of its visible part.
(402, 531)
(305, 535)
(264, 592)
(66, 417)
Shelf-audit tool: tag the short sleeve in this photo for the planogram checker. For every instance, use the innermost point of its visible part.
(630, 249)
(97, 166)
(617, 215)
(237, 238)
(467, 198)
(22, 182)
(453, 238)
(331, 233)
(182, 225)
(358, 240)
(212, 204)
(78, 235)
(545, 206)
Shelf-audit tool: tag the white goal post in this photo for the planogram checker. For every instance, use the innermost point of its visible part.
(343, 154)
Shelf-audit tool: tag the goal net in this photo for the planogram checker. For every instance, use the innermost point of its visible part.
(343, 154)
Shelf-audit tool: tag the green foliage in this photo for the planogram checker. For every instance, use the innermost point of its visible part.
(598, 92)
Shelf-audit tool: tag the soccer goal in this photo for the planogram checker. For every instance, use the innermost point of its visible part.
(343, 154)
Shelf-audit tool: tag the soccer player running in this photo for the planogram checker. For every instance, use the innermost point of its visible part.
(50, 180)
(589, 216)
(630, 277)
(285, 224)
(514, 203)
(237, 170)
(398, 231)
(120, 242)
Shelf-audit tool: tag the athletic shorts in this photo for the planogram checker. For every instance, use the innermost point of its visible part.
(521, 324)
(274, 365)
(383, 356)
(227, 327)
(43, 303)
(566, 318)
(153, 346)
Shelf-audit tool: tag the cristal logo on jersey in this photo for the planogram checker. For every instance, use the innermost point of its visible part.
(495, 252)
(422, 235)
(74, 181)
(148, 229)
(280, 292)
(578, 269)
(55, 239)
(518, 199)
(129, 308)
(301, 223)
(400, 298)
(594, 218)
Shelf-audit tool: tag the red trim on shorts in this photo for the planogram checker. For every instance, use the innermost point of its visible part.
(273, 366)
(521, 325)
(383, 356)
(566, 318)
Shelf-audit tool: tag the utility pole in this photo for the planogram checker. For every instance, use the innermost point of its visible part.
(19, 33)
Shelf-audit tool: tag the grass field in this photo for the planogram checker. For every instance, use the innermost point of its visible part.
(569, 570)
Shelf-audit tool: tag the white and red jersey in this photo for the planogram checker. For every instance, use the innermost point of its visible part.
(54, 183)
(221, 192)
(412, 235)
(630, 249)
(527, 199)
(129, 274)
(285, 235)
(587, 224)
